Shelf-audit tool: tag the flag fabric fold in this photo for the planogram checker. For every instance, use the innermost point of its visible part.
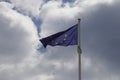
(63, 38)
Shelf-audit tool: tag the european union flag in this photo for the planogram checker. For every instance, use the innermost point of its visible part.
(63, 38)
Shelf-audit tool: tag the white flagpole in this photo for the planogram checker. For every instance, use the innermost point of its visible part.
(79, 52)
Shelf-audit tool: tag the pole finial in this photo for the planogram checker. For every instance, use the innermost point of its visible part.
(79, 19)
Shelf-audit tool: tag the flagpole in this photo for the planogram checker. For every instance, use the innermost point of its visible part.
(79, 51)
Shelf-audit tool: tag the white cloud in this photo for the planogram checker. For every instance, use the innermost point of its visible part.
(54, 15)
(57, 17)
(63, 15)
(18, 43)
(28, 7)
(18, 56)
(93, 2)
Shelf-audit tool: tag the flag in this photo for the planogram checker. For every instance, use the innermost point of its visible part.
(63, 38)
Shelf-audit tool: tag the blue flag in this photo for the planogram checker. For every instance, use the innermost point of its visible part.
(63, 38)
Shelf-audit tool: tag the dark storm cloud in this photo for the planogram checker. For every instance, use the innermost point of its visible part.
(100, 35)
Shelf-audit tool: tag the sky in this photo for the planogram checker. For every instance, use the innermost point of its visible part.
(24, 22)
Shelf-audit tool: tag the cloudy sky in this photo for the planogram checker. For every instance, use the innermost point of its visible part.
(24, 22)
